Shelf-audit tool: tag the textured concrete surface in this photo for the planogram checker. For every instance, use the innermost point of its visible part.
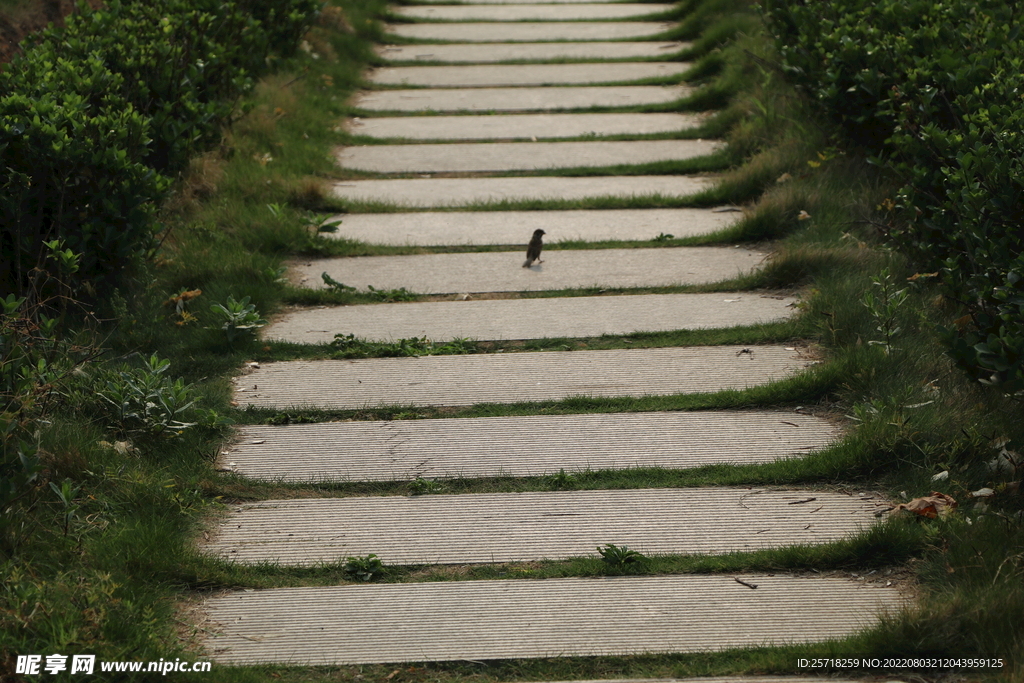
(454, 192)
(483, 53)
(513, 227)
(524, 446)
(513, 377)
(520, 126)
(738, 679)
(517, 99)
(478, 157)
(521, 32)
(531, 2)
(440, 621)
(530, 12)
(524, 75)
(530, 318)
(479, 528)
(497, 75)
(503, 271)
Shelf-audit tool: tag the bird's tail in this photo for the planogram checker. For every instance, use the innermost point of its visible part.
(527, 263)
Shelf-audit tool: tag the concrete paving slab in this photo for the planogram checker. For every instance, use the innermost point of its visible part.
(736, 679)
(513, 377)
(525, 31)
(521, 126)
(503, 271)
(497, 75)
(523, 446)
(455, 192)
(511, 227)
(518, 99)
(530, 318)
(531, 2)
(481, 528)
(466, 620)
(532, 12)
(500, 157)
(483, 53)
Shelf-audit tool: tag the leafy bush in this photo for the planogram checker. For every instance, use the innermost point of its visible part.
(72, 169)
(145, 401)
(93, 113)
(934, 90)
(849, 55)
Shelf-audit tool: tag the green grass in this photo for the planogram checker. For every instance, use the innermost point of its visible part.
(119, 560)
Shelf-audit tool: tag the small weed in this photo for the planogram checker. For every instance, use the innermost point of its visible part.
(622, 560)
(885, 308)
(335, 285)
(348, 346)
(420, 486)
(145, 400)
(66, 493)
(240, 318)
(391, 295)
(562, 481)
(368, 568)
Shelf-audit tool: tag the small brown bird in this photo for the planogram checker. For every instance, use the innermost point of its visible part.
(533, 250)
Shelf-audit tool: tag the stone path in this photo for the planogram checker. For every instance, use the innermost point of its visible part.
(545, 99)
(484, 53)
(503, 271)
(523, 446)
(516, 99)
(530, 318)
(514, 377)
(523, 527)
(459, 620)
(517, 156)
(523, 126)
(524, 12)
(529, 74)
(455, 192)
(520, 32)
(508, 227)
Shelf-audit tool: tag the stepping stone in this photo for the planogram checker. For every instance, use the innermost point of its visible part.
(518, 156)
(495, 75)
(513, 377)
(503, 271)
(527, 12)
(521, 126)
(454, 192)
(513, 227)
(518, 99)
(481, 528)
(494, 319)
(729, 679)
(532, 2)
(524, 446)
(525, 32)
(498, 52)
(508, 619)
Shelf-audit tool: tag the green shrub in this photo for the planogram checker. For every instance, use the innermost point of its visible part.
(850, 54)
(934, 90)
(91, 115)
(72, 169)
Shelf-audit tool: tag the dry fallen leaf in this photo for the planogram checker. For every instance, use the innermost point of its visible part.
(929, 506)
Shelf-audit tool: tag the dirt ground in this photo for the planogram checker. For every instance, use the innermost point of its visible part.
(18, 18)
